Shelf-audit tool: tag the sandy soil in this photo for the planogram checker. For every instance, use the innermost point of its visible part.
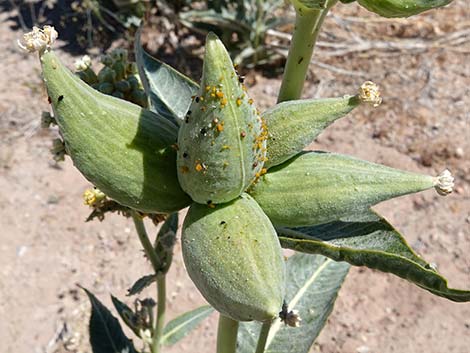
(46, 248)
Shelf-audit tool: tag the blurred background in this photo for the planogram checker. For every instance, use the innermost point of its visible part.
(422, 65)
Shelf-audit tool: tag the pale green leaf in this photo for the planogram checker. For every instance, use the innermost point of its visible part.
(312, 287)
(180, 327)
(369, 240)
(169, 90)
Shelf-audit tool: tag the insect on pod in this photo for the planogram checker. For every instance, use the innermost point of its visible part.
(222, 143)
(233, 256)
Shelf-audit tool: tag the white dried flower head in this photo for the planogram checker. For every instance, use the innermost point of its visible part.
(83, 63)
(38, 39)
(444, 183)
(369, 93)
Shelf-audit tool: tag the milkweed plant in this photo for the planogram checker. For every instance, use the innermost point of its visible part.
(154, 142)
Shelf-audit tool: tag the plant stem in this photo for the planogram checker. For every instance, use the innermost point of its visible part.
(227, 335)
(145, 241)
(161, 282)
(263, 337)
(161, 308)
(259, 22)
(307, 27)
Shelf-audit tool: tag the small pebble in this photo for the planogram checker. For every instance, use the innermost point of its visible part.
(363, 349)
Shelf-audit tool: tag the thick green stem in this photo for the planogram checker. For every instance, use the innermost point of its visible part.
(155, 346)
(145, 241)
(263, 337)
(307, 26)
(161, 308)
(227, 335)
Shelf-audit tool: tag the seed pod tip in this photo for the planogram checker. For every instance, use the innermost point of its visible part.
(369, 93)
(38, 39)
(444, 183)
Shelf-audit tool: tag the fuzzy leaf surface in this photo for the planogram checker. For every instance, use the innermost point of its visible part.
(312, 287)
(180, 327)
(106, 335)
(369, 240)
(169, 90)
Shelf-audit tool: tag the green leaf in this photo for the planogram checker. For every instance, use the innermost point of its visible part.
(169, 90)
(165, 241)
(180, 327)
(141, 284)
(126, 314)
(369, 240)
(312, 288)
(106, 335)
(310, 4)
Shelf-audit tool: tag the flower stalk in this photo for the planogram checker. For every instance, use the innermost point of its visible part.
(155, 345)
(227, 335)
(307, 27)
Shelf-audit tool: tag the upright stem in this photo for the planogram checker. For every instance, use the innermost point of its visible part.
(227, 335)
(155, 347)
(161, 308)
(263, 337)
(307, 27)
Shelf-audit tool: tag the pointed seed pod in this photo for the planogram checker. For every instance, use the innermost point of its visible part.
(401, 8)
(319, 187)
(293, 125)
(223, 137)
(121, 148)
(234, 258)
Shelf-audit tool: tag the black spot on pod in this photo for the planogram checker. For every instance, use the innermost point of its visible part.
(60, 98)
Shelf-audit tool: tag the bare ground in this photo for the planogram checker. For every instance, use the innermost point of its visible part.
(423, 126)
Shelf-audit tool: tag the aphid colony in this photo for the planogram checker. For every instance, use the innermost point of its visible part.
(223, 140)
(215, 94)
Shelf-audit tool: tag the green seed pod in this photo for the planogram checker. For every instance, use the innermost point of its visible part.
(106, 74)
(401, 8)
(319, 187)
(234, 258)
(121, 148)
(123, 86)
(222, 143)
(106, 87)
(293, 125)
